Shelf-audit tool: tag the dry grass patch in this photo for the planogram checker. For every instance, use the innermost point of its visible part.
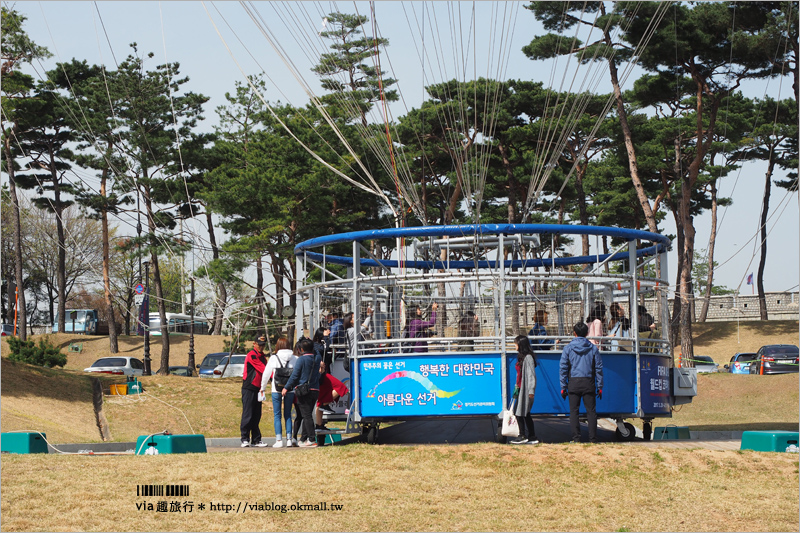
(212, 407)
(52, 401)
(410, 488)
(721, 340)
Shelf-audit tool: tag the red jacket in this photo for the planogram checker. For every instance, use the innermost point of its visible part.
(254, 365)
(327, 385)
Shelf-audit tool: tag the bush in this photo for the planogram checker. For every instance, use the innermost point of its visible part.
(45, 354)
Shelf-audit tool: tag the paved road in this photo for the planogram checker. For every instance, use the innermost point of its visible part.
(448, 431)
(467, 431)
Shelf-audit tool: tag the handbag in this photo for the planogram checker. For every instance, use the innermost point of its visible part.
(510, 427)
(302, 389)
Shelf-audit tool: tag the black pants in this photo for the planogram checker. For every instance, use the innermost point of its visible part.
(582, 388)
(525, 424)
(251, 416)
(305, 416)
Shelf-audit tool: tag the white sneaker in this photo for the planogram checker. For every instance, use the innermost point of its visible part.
(245, 444)
(278, 444)
(534, 441)
(294, 443)
(261, 444)
(308, 444)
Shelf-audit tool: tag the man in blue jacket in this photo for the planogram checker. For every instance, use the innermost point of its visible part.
(581, 377)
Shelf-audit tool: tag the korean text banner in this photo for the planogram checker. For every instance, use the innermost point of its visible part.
(431, 385)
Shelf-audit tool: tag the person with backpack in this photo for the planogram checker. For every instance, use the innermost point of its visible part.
(581, 377)
(304, 381)
(279, 370)
(417, 327)
(254, 365)
(524, 391)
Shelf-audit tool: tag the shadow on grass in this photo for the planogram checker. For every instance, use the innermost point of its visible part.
(24, 380)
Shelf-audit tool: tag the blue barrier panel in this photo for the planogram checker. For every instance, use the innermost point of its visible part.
(619, 389)
(430, 385)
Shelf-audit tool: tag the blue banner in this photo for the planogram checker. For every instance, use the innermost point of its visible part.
(144, 314)
(656, 387)
(430, 385)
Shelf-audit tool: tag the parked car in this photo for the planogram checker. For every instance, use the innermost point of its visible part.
(705, 365)
(235, 368)
(740, 363)
(210, 362)
(776, 359)
(128, 366)
(186, 371)
(8, 330)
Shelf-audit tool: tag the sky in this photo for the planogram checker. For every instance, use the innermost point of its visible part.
(217, 43)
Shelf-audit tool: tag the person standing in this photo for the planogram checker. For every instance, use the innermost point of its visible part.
(254, 364)
(524, 391)
(619, 327)
(336, 327)
(351, 338)
(417, 326)
(283, 359)
(538, 330)
(596, 322)
(581, 377)
(305, 380)
(469, 326)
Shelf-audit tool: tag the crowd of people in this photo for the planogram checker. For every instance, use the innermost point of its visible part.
(300, 377)
(296, 377)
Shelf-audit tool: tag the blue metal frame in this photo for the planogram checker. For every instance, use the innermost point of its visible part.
(305, 247)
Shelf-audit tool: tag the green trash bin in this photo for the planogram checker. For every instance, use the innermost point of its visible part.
(134, 386)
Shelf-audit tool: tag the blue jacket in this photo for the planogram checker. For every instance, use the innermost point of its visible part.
(306, 370)
(581, 359)
(540, 344)
(337, 331)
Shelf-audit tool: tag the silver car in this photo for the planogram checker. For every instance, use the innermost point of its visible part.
(127, 366)
(235, 368)
(705, 365)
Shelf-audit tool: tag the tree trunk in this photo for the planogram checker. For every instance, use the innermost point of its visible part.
(511, 185)
(674, 326)
(711, 242)
(584, 216)
(762, 300)
(110, 316)
(19, 298)
(260, 294)
(222, 293)
(633, 165)
(162, 312)
(61, 273)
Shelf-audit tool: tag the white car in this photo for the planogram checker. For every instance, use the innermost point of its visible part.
(128, 366)
(235, 368)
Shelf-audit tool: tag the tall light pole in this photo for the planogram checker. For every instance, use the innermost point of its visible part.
(147, 319)
(191, 330)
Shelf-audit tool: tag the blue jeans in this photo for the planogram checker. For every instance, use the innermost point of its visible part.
(287, 401)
